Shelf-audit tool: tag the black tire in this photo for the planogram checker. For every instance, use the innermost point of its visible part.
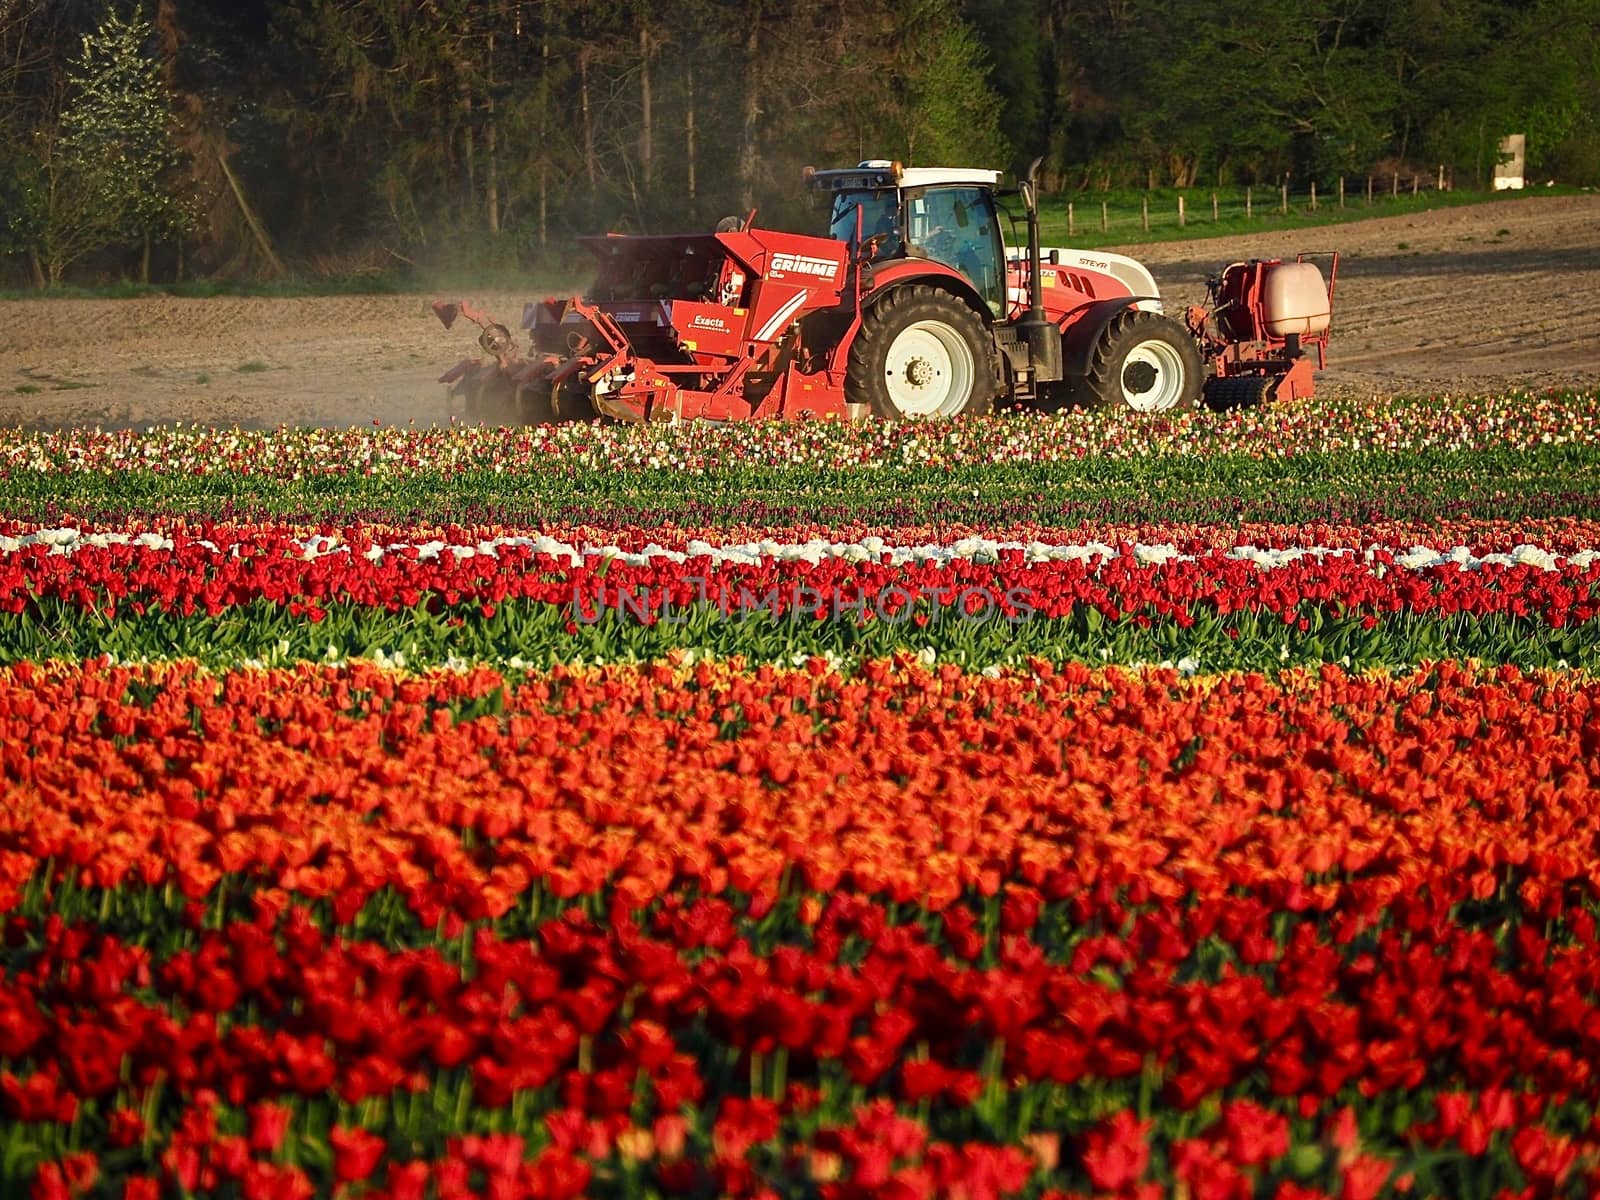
(1146, 362)
(488, 397)
(1241, 391)
(1067, 396)
(533, 403)
(572, 400)
(948, 340)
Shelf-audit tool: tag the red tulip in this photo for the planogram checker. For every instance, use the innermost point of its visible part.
(268, 1125)
(356, 1153)
(1364, 1178)
(1116, 1154)
(1254, 1135)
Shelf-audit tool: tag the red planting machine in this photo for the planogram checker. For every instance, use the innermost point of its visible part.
(911, 305)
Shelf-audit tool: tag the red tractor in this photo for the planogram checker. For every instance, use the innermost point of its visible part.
(910, 307)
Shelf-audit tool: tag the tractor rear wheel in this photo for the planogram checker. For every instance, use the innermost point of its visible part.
(921, 353)
(1146, 362)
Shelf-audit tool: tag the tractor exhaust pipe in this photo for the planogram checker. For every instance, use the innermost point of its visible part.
(1041, 333)
(1030, 201)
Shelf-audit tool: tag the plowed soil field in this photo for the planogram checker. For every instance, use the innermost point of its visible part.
(1481, 298)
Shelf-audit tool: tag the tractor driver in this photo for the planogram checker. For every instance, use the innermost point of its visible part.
(884, 228)
(954, 237)
(879, 214)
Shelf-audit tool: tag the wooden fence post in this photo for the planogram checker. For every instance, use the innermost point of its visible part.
(1394, 184)
(1413, 185)
(1441, 177)
(1071, 225)
(1341, 191)
(1248, 214)
(1213, 208)
(1283, 197)
(1144, 211)
(1313, 195)
(1105, 218)
(1369, 191)
(1181, 221)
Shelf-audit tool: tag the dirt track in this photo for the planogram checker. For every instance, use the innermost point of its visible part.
(1471, 299)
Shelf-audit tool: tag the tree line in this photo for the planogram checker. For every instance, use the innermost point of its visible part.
(180, 137)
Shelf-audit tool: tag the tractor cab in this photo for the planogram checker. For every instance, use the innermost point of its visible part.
(944, 214)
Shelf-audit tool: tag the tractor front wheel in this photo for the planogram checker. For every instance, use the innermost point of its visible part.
(923, 353)
(1145, 361)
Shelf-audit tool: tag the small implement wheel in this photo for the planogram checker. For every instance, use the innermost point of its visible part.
(572, 400)
(1242, 391)
(921, 353)
(1146, 362)
(487, 396)
(533, 403)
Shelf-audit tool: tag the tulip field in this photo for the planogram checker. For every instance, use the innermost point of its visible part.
(1200, 806)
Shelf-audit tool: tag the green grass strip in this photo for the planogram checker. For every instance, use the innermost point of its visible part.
(525, 633)
(1126, 223)
(1375, 485)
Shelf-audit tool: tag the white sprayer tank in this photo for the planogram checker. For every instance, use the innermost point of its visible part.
(1295, 300)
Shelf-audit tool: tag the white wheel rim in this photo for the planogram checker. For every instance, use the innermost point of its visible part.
(929, 371)
(1152, 377)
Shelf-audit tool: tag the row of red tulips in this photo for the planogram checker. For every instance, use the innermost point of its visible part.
(634, 1056)
(464, 790)
(1561, 535)
(1244, 994)
(193, 577)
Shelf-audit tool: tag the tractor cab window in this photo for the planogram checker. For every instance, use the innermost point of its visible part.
(956, 226)
(880, 215)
